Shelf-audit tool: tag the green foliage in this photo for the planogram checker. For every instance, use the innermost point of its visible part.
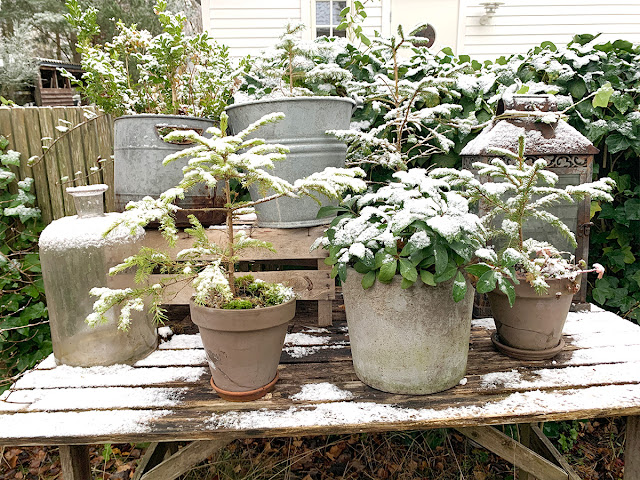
(564, 433)
(296, 68)
(135, 72)
(24, 334)
(513, 193)
(414, 227)
(210, 267)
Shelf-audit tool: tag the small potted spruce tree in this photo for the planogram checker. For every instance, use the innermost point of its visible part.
(303, 81)
(242, 321)
(153, 85)
(530, 283)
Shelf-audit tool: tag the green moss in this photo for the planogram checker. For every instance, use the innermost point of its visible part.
(238, 304)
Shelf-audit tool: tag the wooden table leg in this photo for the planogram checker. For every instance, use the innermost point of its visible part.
(325, 307)
(632, 449)
(75, 462)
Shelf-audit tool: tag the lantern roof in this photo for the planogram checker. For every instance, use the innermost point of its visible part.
(554, 138)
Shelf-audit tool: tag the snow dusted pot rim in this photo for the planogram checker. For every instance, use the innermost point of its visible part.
(293, 99)
(163, 115)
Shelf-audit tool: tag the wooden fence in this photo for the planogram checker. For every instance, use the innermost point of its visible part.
(78, 151)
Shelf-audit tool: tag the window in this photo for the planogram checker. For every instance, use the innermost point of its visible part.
(328, 18)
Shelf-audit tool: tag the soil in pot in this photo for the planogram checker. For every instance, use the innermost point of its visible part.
(532, 328)
(413, 341)
(243, 347)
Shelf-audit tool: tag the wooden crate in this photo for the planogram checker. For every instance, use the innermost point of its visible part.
(292, 246)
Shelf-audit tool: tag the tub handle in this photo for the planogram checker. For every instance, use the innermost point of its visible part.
(164, 129)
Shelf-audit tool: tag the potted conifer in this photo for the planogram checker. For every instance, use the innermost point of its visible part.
(530, 283)
(242, 321)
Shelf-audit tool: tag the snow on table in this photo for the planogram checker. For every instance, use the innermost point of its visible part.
(167, 395)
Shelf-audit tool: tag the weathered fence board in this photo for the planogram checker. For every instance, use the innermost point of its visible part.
(76, 151)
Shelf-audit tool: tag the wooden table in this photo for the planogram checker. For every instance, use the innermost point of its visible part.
(166, 397)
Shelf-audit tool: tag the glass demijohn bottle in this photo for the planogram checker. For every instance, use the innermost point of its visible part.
(76, 257)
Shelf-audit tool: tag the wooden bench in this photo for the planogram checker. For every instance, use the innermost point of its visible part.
(167, 398)
(310, 280)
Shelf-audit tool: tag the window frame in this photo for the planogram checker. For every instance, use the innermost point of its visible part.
(315, 26)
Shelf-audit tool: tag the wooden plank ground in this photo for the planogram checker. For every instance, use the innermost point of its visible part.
(167, 397)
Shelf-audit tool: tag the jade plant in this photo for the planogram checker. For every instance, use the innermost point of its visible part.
(515, 193)
(416, 227)
(208, 266)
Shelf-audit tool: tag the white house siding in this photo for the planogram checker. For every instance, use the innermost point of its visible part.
(251, 26)
(521, 24)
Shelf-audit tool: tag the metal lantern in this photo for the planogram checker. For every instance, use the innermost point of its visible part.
(568, 153)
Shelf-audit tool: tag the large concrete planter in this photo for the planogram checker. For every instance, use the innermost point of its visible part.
(532, 328)
(311, 149)
(413, 341)
(138, 170)
(243, 347)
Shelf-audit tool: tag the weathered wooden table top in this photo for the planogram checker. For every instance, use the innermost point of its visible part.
(167, 395)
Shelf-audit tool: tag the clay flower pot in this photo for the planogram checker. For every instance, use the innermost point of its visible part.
(243, 347)
(532, 328)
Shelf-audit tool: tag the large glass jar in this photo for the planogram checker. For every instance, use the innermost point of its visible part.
(75, 257)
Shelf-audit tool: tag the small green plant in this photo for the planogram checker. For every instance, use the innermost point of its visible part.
(24, 332)
(402, 111)
(219, 158)
(171, 73)
(297, 68)
(516, 193)
(415, 226)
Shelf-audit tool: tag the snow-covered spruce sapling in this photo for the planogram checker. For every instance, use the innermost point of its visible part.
(296, 68)
(516, 193)
(414, 226)
(210, 267)
(170, 73)
(405, 104)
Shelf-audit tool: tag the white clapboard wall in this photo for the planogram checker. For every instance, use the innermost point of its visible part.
(521, 24)
(251, 26)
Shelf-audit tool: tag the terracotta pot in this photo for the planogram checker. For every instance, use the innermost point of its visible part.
(243, 346)
(412, 341)
(532, 328)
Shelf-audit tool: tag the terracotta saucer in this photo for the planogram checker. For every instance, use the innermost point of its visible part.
(245, 396)
(522, 354)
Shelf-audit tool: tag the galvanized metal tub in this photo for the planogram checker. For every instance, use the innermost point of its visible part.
(138, 170)
(311, 150)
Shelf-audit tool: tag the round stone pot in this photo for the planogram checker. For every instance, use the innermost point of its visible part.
(310, 150)
(413, 341)
(138, 170)
(532, 328)
(243, 347)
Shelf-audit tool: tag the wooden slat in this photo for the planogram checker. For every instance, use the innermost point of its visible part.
(20, 142)
(508, 448)
(307, 284)
(294, 243)
(32, 120)
(63, 156)
(104, 136)
(51, 164)
(78, 140)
